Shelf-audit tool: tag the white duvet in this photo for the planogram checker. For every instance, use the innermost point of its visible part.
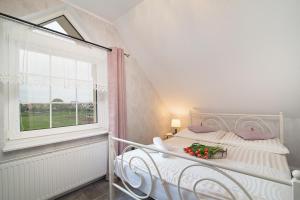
(259, 162)
(229, 138)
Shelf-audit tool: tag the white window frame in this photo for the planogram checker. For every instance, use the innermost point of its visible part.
(15, 139)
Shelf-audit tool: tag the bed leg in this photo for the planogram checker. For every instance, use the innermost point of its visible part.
(110, 167)
(296, 184)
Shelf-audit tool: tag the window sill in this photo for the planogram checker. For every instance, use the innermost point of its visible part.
(13, 145)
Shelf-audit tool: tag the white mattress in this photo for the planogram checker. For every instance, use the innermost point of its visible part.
(259, 162)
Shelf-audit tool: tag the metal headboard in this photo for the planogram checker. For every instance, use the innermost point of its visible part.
(230, 122)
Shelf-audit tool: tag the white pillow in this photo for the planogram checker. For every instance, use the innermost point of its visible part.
(270, 145)
(207, 137)
(158, 143)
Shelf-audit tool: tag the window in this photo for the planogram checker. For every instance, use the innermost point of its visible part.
(53, 85)
(60, 101)
(63, 25)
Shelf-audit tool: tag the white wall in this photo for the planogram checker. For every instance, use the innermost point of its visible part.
(148, 116)
(141, 96)
(224, 56)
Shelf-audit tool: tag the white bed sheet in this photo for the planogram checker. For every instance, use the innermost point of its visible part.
(230, 138)
(260, 162)
(270, 145)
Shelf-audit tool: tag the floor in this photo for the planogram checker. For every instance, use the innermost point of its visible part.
(98, 190)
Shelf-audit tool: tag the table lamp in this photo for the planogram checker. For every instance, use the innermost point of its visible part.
(175, 123)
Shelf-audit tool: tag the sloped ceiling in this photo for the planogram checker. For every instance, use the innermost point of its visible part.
(227, 56)
(219, 55)
(107, 9)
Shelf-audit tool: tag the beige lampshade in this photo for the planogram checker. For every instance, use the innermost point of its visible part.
(175, 123)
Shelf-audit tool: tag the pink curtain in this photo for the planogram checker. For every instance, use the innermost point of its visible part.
(117, 96)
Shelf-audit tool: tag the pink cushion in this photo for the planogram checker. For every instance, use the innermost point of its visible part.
(200, 129)
(254, 134)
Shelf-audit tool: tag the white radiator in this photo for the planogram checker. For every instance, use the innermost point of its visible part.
(45, 176)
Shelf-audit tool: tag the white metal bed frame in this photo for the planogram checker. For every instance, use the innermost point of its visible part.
(211, 119)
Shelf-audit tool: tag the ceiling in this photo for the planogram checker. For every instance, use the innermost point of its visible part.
(220, 56)
(225, 56)
(107, 9)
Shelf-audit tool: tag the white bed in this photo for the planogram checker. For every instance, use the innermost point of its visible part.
(178, 178)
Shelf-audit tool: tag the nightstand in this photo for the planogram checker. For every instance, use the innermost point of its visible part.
(168, 135)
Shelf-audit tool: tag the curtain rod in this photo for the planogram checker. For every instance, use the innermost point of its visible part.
(12, 18)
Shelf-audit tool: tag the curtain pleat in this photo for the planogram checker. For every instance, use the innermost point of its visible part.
(117, 96)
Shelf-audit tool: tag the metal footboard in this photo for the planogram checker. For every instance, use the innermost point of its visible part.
(128, 187)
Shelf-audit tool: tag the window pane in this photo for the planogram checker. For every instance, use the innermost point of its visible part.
(84, 71)
(63, 115)
(55, 26)
(63, 90)
(30, 94)
(63, 67)
(34, 116)
(86, 94)
(38, 63)
(63, 25)
(86, 105)
(87, 113)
